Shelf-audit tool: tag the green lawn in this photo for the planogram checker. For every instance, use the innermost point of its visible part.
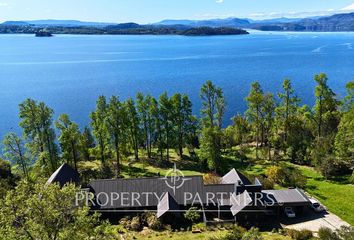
(337, 196)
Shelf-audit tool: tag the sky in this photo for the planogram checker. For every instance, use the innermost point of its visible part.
(150, 11)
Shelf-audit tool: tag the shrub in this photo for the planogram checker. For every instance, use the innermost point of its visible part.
(135, 223)
(153, 222)
(276, 174)
(199, 226)
(351, 179)
(266, 183)
(192, 215)
(346, 232)
(305, 234)
(236, 233)
(211, 178)
(125, 222)
(292, 233)
(252, 234)
(5, 186)
(286, 176)
(325, 233)
(299, 235)
(5, 169)
(295, 178)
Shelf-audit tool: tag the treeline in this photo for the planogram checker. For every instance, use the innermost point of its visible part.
(118, 129)
(276, 128)
(121, 29)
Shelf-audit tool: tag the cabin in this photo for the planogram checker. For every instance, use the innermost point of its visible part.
(235, 199)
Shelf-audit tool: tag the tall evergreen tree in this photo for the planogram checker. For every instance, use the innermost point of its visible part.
(69, 139)
(15, 151)
(326, 119)
(154, 111)
(87, 142)
(254, 111)
(143, 103)
(344, 141)
(150, 101)
(36, 121)
(99, 126)
(286, 110)
(166, 120)
(182, 113)
(116, 123)
(268, 109)
(213, 107)
(326, 107)
(133, 126)
(241, 128)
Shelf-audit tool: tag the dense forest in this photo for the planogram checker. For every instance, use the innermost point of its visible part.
(277, 128)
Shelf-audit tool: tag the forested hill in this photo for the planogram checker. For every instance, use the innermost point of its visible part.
(335, 23)
(118, 29)
(208, 31)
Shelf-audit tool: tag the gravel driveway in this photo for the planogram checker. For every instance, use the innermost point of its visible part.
(314, 221)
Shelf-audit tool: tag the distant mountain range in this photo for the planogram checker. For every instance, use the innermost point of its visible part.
(230, 22)
(334, 23)
(66, 23)
(337, 22)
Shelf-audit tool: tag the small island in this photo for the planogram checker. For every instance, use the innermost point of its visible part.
(209, 31)
(44, 33)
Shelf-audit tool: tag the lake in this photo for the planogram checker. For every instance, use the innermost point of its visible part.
(69, 72)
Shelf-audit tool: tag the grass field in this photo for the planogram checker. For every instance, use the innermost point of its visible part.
(337, 196)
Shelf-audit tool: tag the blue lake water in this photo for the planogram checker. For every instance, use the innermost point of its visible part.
(70, 72)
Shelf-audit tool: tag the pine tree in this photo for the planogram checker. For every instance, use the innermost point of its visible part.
(213, 108)
(254, 111)
(116, 124)
(133, 126)
(15, 151)
(69, 139)
(286, 111)
(99, 126)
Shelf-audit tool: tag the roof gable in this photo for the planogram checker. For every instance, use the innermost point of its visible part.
(239, 202)
(168, 203)
(235, 177)
(63, 175)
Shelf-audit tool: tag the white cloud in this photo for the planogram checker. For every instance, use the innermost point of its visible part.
(349, 8)
(219, 1)
(3, 4)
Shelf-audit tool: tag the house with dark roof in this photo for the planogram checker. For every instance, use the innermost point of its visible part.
(64, 174)
(234, 199)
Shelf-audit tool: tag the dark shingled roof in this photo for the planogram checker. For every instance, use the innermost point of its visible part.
(64, 174)
(155, 186)
(168, 203)
(235, 177)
